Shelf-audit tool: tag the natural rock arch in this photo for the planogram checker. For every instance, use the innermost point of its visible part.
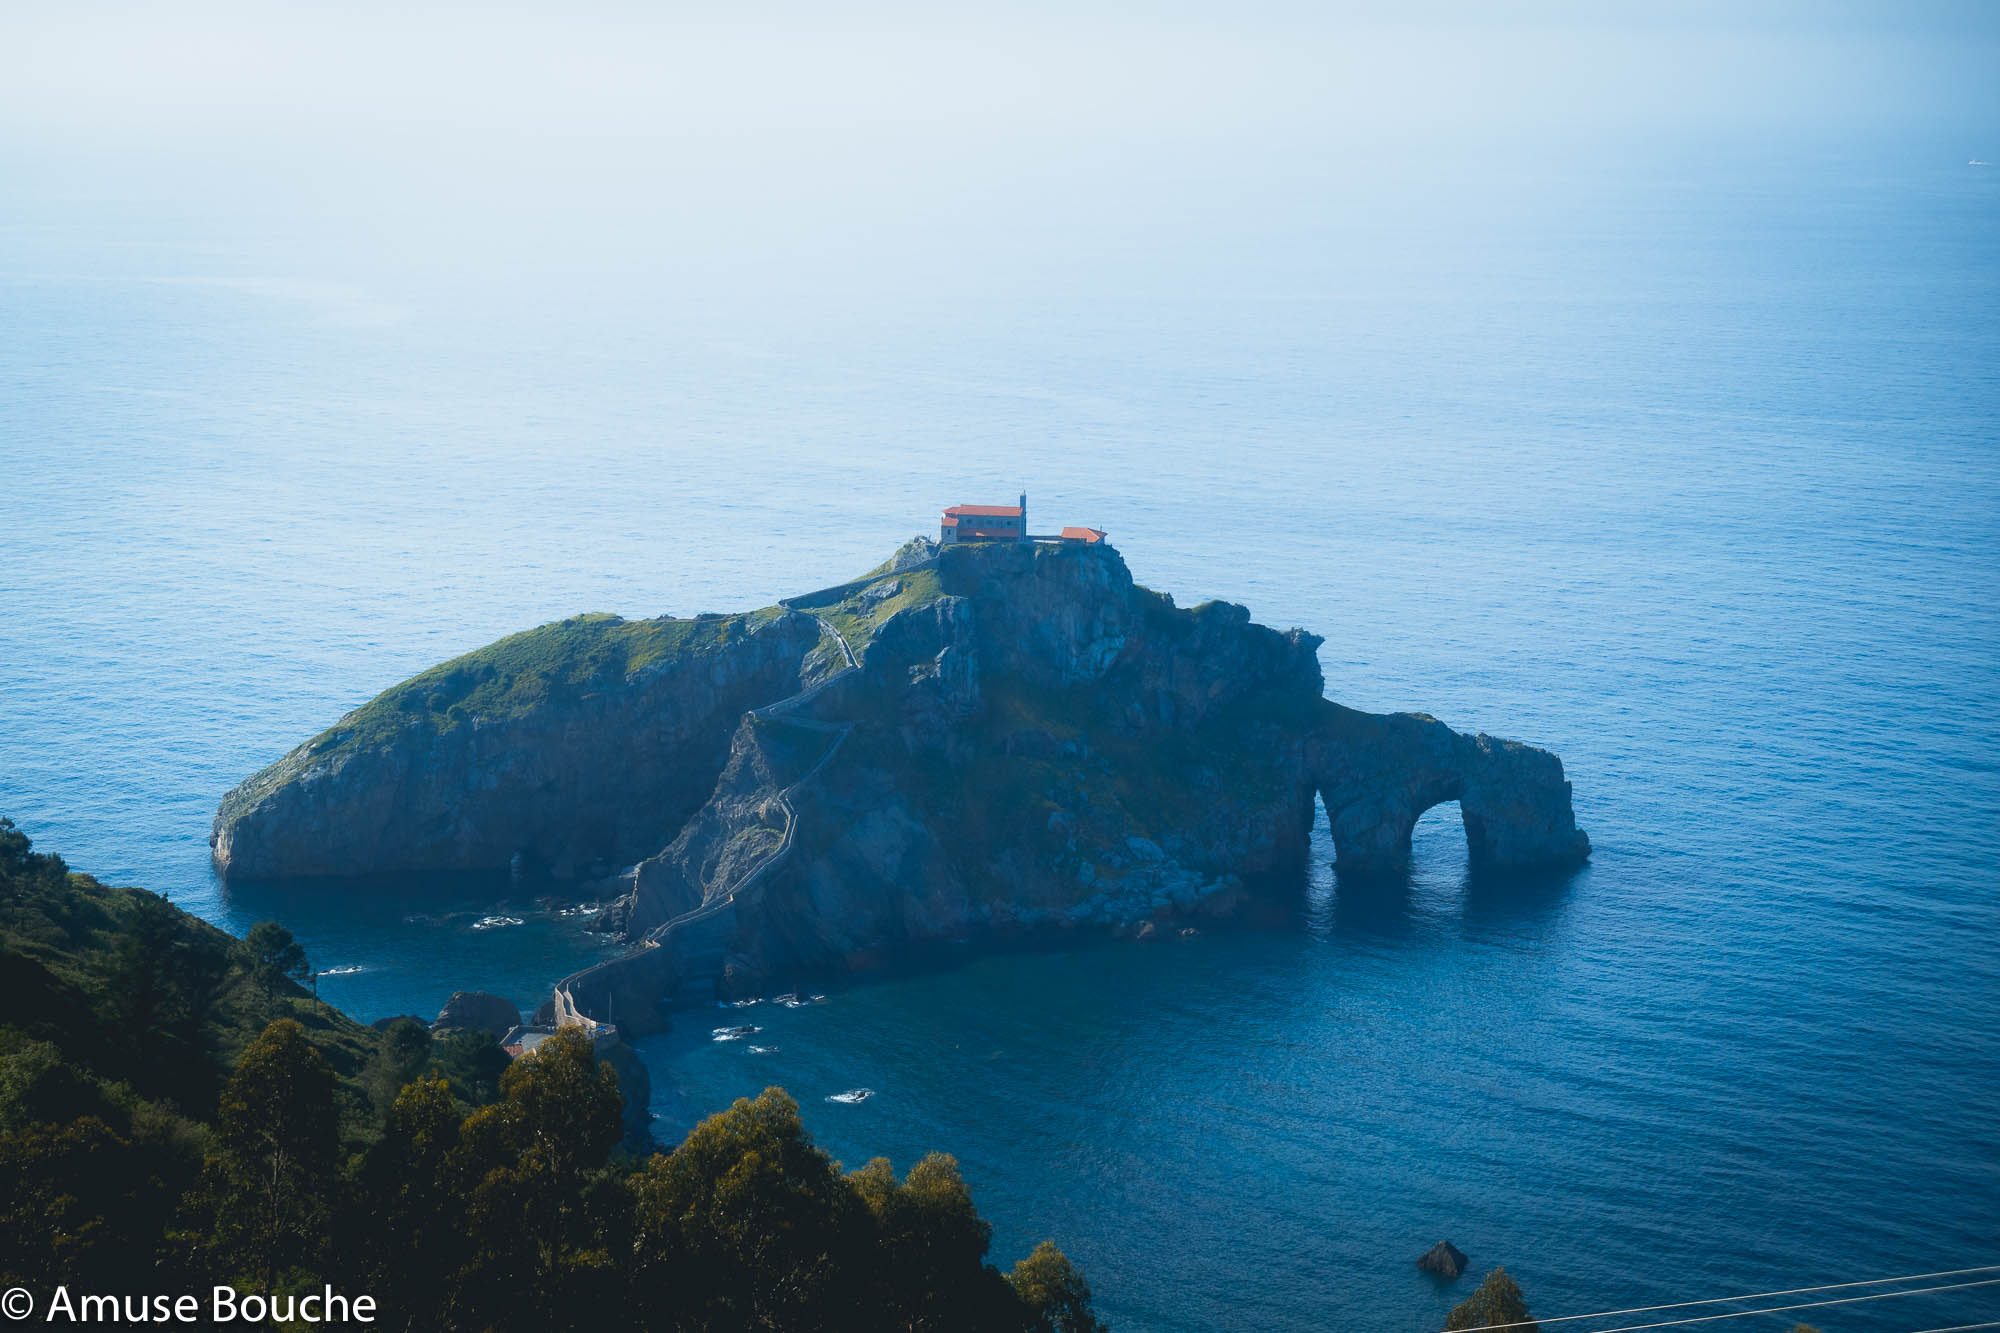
(1373, 841)
(1019, 737)
(1513, 800)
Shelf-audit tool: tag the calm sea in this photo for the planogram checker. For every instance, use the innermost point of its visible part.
(1694, 478)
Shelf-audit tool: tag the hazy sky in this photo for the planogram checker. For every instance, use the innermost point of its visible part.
(354, 70)
(777, 125)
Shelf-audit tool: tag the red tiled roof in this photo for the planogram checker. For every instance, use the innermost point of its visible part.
(1083, 534)
(985, 511)
(949, 522)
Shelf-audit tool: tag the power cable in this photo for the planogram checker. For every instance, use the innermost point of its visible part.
(1805, 1305)
(1752, 1296)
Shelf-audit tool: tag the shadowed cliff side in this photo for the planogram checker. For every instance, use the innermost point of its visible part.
(1038, 743)
(977, 740)
(579, 745)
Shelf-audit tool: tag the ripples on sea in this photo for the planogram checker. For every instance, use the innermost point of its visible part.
(1696, 486)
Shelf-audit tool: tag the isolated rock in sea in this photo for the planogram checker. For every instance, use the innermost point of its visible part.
(1444, 1259)
(477, 1009)
(1025, 740)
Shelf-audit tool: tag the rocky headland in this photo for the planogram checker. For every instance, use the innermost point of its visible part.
(577, 745)
(975, 741)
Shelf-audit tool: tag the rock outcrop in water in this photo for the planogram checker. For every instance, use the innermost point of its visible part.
(1444, 1260)
(477, 1009)
(974, 741)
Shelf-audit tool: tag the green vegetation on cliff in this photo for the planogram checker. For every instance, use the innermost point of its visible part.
(1158, 779)
(118, 999)
(511, 678)
(458, 1194)
(858, 609)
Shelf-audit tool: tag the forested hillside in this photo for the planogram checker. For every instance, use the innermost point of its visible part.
(177, 1113)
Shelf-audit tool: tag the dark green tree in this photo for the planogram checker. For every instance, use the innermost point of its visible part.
(1054, 1292)
(541, 1208)
(1497, 1302)
(472, 1061)
(402, 1052)
(410, 1217)
(18, 859)
(87, 1204)
(38, 1086)
(514, 1217)
(565, 1104)
(932, 1249)
(275, 957)
(277, 1139)
(748, 1225)
(163, 981)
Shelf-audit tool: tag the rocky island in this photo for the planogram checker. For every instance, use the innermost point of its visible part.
(972, 740)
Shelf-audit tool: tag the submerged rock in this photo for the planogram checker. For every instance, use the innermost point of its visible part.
(1443, 1259)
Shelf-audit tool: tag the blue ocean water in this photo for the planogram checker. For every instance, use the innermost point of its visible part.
(1690, 475)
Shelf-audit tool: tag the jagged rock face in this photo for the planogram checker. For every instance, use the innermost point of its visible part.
(1029, 741)
(1048, 745)
(915, 552)
(1060, 617)
(738, 826)
(1444, 1259)
(1516, 806)
(621, 742)
(1378, 774)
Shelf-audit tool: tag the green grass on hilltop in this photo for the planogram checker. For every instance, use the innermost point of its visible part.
(508, 679)
(857, 615)
(521, 672)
